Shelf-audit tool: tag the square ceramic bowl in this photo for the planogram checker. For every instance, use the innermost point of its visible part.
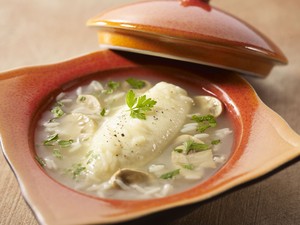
(262, 139)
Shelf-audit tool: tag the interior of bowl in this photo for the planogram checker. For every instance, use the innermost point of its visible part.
(52, 201)
(196, 85)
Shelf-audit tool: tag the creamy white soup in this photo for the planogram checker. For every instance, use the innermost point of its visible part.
(131, 139)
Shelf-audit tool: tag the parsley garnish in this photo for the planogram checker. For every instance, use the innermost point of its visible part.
(57, 153)
(82, 98)
(188, 166)
(57, 112)
(112, 86)
(77, 169)
(179, 150)
(51, 139)
(170, 174)
(138, 106)
(135, 83)
(40, 161)
(102, 113)
(193, 146)
(65, 143)
(215, 142)
(204, 122)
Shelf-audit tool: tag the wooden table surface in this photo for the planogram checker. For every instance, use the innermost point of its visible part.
(37, 32)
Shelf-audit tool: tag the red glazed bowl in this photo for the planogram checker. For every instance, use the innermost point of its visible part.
(262, 139)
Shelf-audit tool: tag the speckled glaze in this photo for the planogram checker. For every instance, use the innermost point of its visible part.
(189, 30)
(262, 140)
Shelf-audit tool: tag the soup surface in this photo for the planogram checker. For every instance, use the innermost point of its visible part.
(132, 138)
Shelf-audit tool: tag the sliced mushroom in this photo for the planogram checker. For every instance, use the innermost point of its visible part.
(191, 165)
(126, 177)
(181, 158)
(182, 138)
(89, 103)
(205, 105)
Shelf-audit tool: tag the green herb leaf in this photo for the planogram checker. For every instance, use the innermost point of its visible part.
(179, 150)
(57, 153)
(57, 112)
(135, 83)
(145, 104)
(102, 113)
(41, 161)
(170, 174)
(204, 122)
(77, 169)
(112, 86)
(138, 114)
(198, 147)
(215, 142)
(130, 99)
(82, 98)
(188, 166)
(65, 143)
(50, 140)
(187, 146)
(192, 146)
(139, 106)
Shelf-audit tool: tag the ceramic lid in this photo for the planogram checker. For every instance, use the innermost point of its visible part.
(188, 30)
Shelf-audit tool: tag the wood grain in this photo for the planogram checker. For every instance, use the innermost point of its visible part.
(37, 32)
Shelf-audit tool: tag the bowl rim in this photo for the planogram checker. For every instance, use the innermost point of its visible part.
(35, 185)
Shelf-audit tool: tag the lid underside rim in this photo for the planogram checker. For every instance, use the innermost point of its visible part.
(212, 55)
(133, 30)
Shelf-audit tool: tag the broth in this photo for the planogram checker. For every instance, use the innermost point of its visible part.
(91, 140)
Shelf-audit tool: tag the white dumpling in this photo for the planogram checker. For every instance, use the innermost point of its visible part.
(123, 141)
